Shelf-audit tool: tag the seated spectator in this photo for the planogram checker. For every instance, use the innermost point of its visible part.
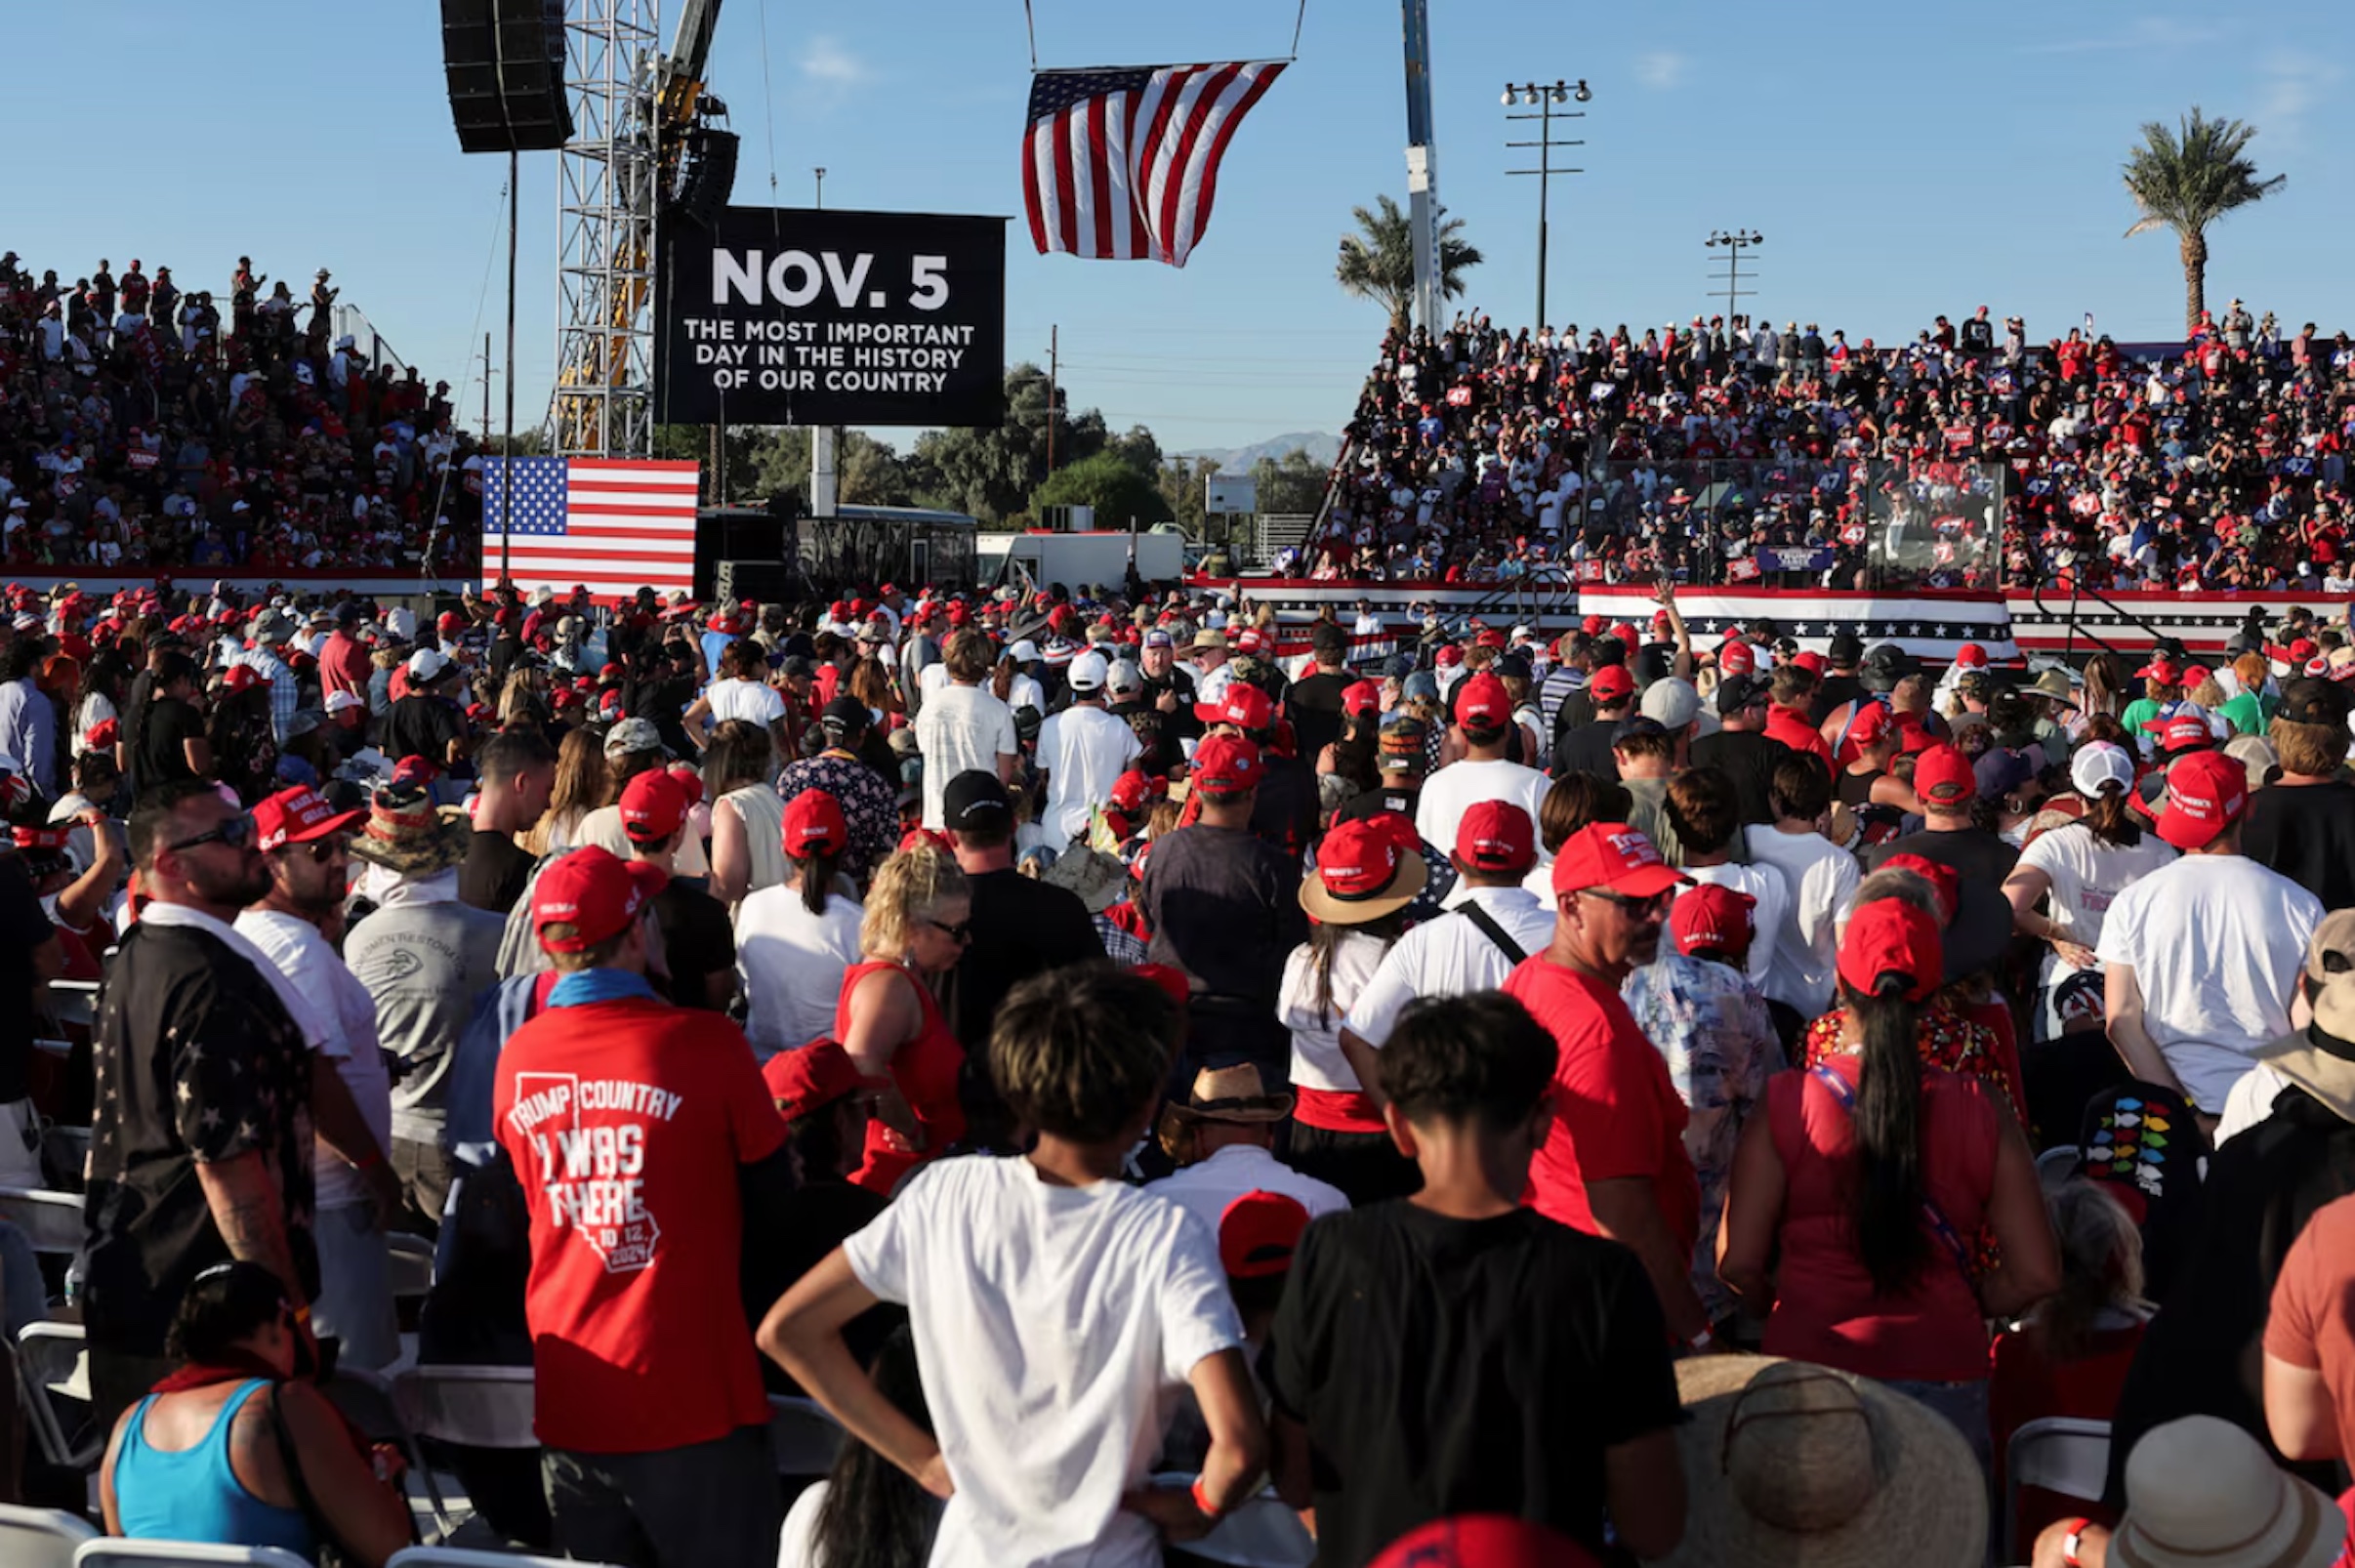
(1221, 1137)
(2202, 1491)
(233, 1449)
(866, 1510)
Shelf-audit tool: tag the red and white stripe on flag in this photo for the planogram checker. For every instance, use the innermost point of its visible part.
(1122, 163)
(613, 526)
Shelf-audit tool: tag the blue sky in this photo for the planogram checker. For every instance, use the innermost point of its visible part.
(1901, 160)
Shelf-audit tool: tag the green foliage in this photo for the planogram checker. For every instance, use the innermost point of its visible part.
(1120, 493)
(1378, 262)
(1291, 483)
(2187, 177)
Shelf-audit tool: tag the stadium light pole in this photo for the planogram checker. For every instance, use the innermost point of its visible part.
(1733, 243)
(1543, 100)
(821, 187)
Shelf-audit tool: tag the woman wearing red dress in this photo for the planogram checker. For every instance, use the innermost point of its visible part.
(887, 1019)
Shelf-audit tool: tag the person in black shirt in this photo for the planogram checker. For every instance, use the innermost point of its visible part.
(2302, 825)
(1746, 756)
(1021, 926)
(200, 1147)
(1840, 685)
(518, 773)
(172, 746)
(1586, 748)
(1455, 1352)
(30, 954)
(1170, 687)
(1314, 703)
(698, 942)
(427, 722)
(1947, 784)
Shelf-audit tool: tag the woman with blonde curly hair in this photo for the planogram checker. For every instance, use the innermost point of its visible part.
(889, 1021)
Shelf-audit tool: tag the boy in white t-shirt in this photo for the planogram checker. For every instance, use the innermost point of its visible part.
(1057, 1311)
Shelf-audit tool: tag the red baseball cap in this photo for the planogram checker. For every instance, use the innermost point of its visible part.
(1491, 636)
(299, 815)
(1495, 836)
(1448, 656)
(1970, 657)
(1360, 697)
(1871, 726)
(814, 825)
(1611, 683)
(2206, 794)
(1714, 921)
(1483, 1540)
(2163, 671)
(1591, 624)
(1810, 660)
(1258, 1232)
(1227, 763)
(1943, 776)
(1242, 704)
(1625, 634)
(1946, 883)
(596, 893)
(1890, 936)
(1483, 701)
(653, 806)
(812, 1078)
(1614, 856)
(1355, 864)
(2186, 731)
(1737, 657)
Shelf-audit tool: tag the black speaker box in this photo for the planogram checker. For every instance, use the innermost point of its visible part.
(504, 60)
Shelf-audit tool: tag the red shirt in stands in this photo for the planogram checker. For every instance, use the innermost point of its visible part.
(627, 1120)
(1615, 1111)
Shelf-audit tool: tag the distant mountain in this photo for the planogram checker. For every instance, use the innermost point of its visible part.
(1238, 459)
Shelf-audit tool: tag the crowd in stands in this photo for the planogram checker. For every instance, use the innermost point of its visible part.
(147, 425)
(1166, 1096)
(1732, 450)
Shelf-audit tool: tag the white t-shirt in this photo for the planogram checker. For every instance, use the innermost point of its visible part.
(1206, 1188)
(1459, 786)
(961, 728)
(749, 700)
(1084, 751)
(1767, 918)
(340, 1010)
(791, 963)
(1317, 1061)
(1450, 956)
(602, 827)
(1057, 1326)
(2087, 876)
(2217, 943)
(1821, 879)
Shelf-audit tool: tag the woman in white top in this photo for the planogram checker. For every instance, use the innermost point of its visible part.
(1365, 877)
(796, 939)
(748, 814)
(579, 789)
(1012, 682)
(741, 693)
(2078, 872)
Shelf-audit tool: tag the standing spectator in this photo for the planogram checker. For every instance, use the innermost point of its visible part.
(795, 941)
(698, 942)
(1314, 701)
(1821, 878)
(1457, 1352)
(170, 746)
(1222, 1137)
(1021, 924)
(870, 805)
(916, 926)
(31, 955)
(427, 722)
(2310, 1340)
(1484, 718)
(272, 631)
(1029, 1277)
(1614, 1162)
(1704, 810)
(1948, 785)
(1741, 746)
(646, 1148)
(201, 1142)
(2302, 824)
(306, 846)
(28, 720)
(2196, 1027)
(1082, 753)
(517, 769)
(964, 726)
(746, 813)
(426, 957)
(344, 661)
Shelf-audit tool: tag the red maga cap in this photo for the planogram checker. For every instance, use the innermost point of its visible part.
(299, 815)
(653, 806)
(1944, 777)
(1615, 856)
(2206, 794)
(1611, 683)
(1242, 705)
(596, 893)
(814, 825)
(1483, 702)
(1227, 763)
(1737, 657)
(1890, 936)
(1495, 836)
(1712, 921)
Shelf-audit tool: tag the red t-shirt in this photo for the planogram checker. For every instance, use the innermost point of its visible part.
(2312, 1323)
(1791, 727)
(1616, 1112)
(627, 1121)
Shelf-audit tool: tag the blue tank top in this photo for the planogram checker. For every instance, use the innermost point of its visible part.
(193, 1494)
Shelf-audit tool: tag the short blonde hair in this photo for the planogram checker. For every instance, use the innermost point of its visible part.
(907, 889)
(968, 656)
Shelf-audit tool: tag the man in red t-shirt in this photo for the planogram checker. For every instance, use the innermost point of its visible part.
(1614, 1162)
(640, 1133)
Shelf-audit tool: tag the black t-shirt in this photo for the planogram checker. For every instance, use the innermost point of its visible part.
(197, 1059)
(2306, 832)
(494, 873)
(1181, 723)
(163, 738)
(819, 1216)
(1750, 760)
(697, 940)
(1976, 853)
(1224, 906)
(1833, 692)
(1314, 706)
(1022, 926)
(1450, 1366)
(419, 726)
(1287, 811)
(23, 928)
(1587, 749)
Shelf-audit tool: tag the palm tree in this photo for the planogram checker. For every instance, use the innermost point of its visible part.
(1378, 262)
(2185, 179)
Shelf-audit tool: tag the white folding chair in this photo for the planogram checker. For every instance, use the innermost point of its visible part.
(51, 1220)
(108, 1552)
(40, 1538)
(412, 1270)
(2059, 1453)
(477, 1407)
(806, 1439)
(462, 1557)
(52, 1363)
(73, 1001)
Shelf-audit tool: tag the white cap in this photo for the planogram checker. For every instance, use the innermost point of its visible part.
(401, 622)
(1024, 652)
(427, 664)
(1125, 677)
(1087, 672)
(338, 701)
(2098, 763)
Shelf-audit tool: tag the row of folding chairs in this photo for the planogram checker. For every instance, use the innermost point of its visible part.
(43, 1537)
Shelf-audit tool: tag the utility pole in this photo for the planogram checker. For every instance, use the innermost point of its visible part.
(506, 468)
(821, 187)
(1544, 98)
(486, 376)
(1054, 365)
(1733, 243)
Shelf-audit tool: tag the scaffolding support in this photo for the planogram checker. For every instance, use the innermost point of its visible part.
(606, 201)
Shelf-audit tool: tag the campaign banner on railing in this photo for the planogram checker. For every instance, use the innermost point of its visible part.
(818, 317)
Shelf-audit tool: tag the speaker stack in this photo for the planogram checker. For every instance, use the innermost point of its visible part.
(505, 63)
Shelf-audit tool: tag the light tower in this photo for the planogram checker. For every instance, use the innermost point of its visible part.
(607, 198)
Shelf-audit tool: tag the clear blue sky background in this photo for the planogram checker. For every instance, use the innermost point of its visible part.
(1901, 160)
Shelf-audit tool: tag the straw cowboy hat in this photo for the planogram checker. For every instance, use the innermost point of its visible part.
(1793, 1463)
(1234, 1094)
(1098, 879)
(2202, 1494)
(407, 834)
(1364, 871)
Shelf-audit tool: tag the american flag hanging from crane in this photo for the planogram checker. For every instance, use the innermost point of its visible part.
(1121, 163)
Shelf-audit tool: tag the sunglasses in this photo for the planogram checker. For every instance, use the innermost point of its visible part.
(235, 832)
(334, 846)
(961, 933)
(1630, 905)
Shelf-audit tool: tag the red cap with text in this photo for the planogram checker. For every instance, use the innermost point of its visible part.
(1712, 921)
(1738, 658)
(1495, 836)
(653, 806)
(1361, 697)
(299, 815)
(814, 825)
(1242, 705)
(1890, 936)
(596, 893)
(2206, 793)
(1615, 856)
(1357, 860)
(1227, 763)
(1483, 702)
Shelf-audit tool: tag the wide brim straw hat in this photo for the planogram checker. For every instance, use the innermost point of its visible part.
(1404, 886)
(1788, 1463)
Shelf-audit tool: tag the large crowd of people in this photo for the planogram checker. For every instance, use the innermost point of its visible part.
(1593, 1100)
(148, 426)
(1733, 451)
